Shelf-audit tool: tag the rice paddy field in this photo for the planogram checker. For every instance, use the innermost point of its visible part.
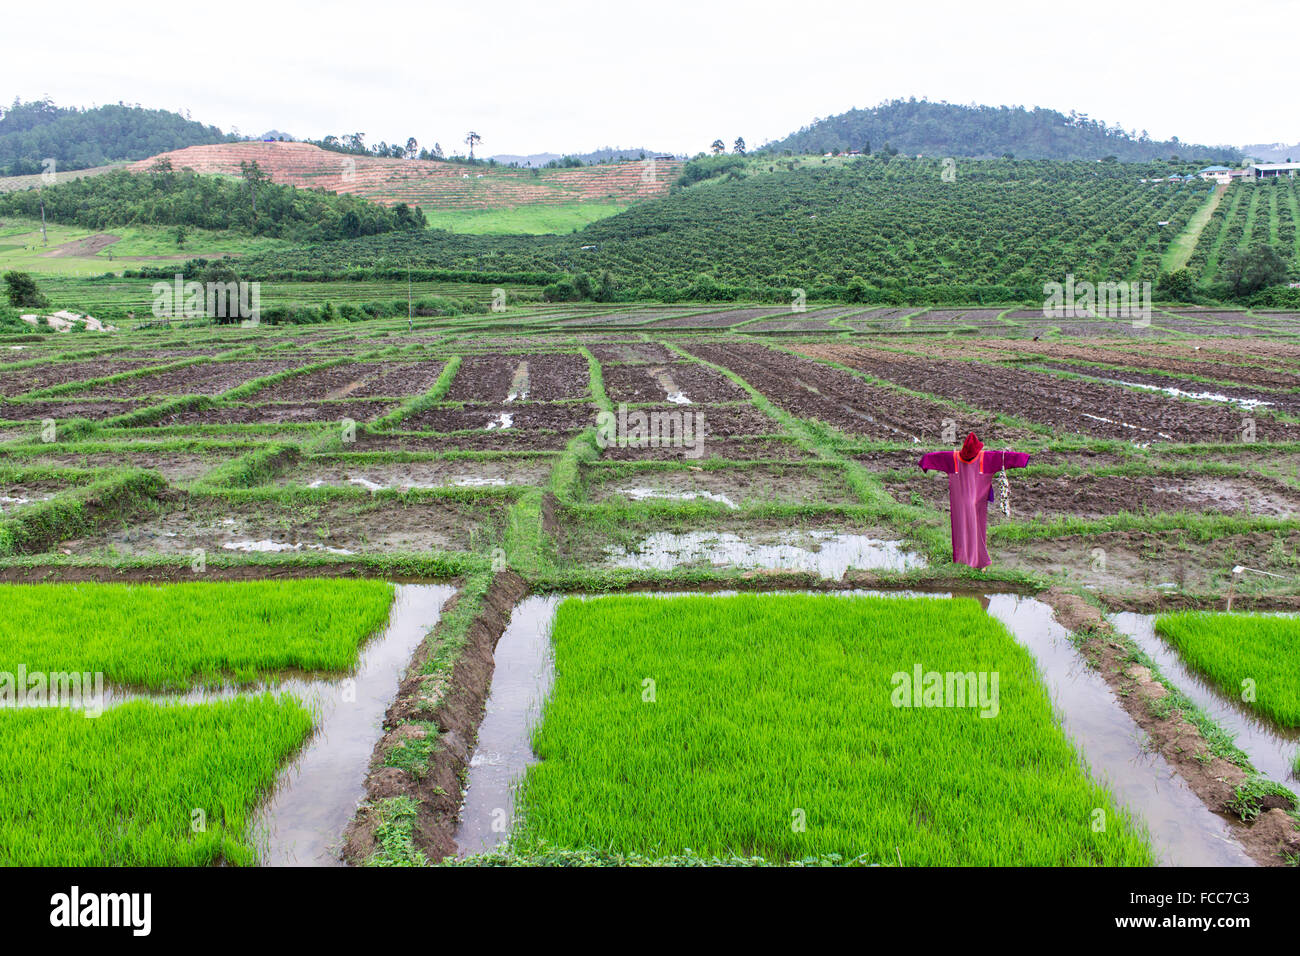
(446, 517)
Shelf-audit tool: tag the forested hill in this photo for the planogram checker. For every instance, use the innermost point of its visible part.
(78, 139)
(945, 129)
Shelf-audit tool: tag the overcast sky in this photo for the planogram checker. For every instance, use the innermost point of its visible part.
(672, 75)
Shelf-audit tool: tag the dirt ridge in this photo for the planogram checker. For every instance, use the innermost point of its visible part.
(455, 706)
(1272, 832)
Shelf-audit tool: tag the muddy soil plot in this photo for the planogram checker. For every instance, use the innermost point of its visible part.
(277, 413)
(1192, 362)
(540, 377)
(1067, 406)
(509, 440)
(1130, 561)
(678, 382)
(15, 495)
(1241, 396)
(879, 320)
(620, 318)
(632, 353)
(17, 381)
(731, 487)
(172, 465)
(354, 380)
(720, 320)
(404, 475)
(205, 378)
(737, 449)
(350, 525)
(811, 390)
(63, 409)
(562, 417)
(1100, 496)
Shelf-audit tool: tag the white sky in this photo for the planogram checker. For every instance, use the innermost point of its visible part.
(574, 75)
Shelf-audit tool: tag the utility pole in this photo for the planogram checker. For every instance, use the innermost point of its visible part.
(45, 241)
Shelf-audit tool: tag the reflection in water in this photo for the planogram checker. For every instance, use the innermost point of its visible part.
(1270, 747)
(827, 553)
(521, 679)
(1183, 831)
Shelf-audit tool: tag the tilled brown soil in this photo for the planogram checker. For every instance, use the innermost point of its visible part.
(354, 380)
(719, 320)
(741, 487)
(280, 412)
(524, 416)
(552, 376)
(1157, 358)
(809, 389)
(1098, 496)
(649, 383)
(1271, 399)
(62, 409)
(1068, 406)
(631, 353)
(17, 381)
(205, 378)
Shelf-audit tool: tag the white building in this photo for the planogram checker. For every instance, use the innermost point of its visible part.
(1269, 170)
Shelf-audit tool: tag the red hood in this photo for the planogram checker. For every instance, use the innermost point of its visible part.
(971, 449)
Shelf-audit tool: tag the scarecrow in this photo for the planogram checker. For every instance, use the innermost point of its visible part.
(971, 470)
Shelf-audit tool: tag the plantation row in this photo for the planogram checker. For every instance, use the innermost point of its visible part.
(1251, 214)
(861, 232)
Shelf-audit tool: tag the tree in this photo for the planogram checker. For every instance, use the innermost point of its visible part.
(1175, 286)
(739, 146)
(412, 148)
(23, 291)
(718, 146)
(472, 138)
(437, 151)
(254, 176)
(1254, 269)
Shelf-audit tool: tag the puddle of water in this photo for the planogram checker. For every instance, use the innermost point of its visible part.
(1244, 403)
(267, 546)
(317, 794)
(1112, 421)
(466, 481)
(1270, 747)
(827, 553)
(523, 673)
(1183, 831)
(641, 494)
(519, 384)
(502, 421)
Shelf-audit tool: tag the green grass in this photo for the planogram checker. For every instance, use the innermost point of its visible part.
(768, 707)
(534, 220)
(168, 636)
(122, 789)
(1180, 250)
(1234, 648)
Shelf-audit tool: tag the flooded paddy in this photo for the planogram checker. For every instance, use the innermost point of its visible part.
(1111, 746)
(1272, 749)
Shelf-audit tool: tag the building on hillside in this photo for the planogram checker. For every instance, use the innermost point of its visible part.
(1272, 170)
(1219, 174)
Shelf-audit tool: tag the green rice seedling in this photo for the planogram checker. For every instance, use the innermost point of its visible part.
(1254, 658)
(142, 784)
(170, 636)
(772, 726)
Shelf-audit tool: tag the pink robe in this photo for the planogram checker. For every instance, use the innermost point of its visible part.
(970, 489)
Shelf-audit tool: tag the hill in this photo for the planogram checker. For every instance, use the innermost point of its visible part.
(945, 129)
(31, 133)
(438, 187)
(1272, 152)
